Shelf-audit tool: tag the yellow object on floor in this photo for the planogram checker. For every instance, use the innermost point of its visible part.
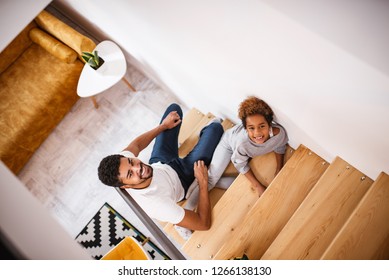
(127, 249)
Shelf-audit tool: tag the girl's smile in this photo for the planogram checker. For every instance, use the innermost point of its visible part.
(257, 128)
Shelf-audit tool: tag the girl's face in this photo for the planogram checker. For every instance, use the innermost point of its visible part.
(257, 128)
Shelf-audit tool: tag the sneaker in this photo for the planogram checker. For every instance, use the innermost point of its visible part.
(183, 232)
(214, 120)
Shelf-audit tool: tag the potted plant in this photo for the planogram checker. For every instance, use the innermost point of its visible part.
(93, 59)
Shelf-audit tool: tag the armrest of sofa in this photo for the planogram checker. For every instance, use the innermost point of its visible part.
(64, 33)
(52, 45)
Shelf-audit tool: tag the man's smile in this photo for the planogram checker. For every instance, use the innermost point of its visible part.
(145, 171)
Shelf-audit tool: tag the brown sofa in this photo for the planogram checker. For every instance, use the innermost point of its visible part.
(39, 71)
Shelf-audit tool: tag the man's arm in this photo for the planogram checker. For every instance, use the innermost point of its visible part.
(201, 219)
(143, 140)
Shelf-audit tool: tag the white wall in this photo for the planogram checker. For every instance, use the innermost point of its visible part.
(15, 15)
(24, 223)
(29, 228)
(323, 67)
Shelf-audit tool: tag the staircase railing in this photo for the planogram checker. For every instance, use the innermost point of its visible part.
(170, 249)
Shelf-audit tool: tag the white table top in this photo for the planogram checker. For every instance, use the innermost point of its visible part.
(92, 82)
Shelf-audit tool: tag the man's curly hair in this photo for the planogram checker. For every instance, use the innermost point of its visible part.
(108, 170)
(252, 106)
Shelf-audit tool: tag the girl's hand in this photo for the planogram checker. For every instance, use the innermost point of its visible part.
(259, 188)
(255, 183)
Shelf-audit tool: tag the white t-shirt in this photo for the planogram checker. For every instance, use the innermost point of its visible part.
(159, 199)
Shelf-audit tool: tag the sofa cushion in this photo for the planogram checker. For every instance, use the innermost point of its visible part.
(52, 45)
(64, 33)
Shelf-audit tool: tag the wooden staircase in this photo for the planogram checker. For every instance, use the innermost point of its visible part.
(312, 209)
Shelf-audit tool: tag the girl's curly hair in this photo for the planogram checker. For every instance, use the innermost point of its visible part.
(252, 106)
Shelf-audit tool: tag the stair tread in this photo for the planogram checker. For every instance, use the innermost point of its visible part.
(240, 197)
(365, 234)
(189, 122)
(193, 137)
(272, 211)
(214, 195)
(322, 213)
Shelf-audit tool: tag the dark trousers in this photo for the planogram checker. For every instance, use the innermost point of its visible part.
(165, 148)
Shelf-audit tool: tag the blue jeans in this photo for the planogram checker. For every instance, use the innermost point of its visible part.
(165, 148)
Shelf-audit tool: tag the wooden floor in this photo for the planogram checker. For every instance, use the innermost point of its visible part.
(63, 173)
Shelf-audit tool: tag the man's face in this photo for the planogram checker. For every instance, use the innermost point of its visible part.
(134, 173)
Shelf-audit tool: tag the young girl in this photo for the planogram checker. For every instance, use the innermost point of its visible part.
(257, 135)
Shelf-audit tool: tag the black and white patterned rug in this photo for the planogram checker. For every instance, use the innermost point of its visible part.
(107, 228)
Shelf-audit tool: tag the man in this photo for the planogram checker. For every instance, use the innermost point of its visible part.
(159, 185)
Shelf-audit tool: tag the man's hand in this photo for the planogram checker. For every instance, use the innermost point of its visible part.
(142, 141)
(201, 219)
(201, 173)
(171, 120)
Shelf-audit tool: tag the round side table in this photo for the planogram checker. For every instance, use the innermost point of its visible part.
(92, 82)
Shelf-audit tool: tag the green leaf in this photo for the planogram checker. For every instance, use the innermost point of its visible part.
(92, 58)
(96, 60)
(87, 56)
(92, 63)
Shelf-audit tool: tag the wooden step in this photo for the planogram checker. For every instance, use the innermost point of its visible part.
(189, 122)
(321, 215)
(288, 153)
(230, 170)
(226, 217)
(365, 236)
(274, 208)
(227, 124)
(258, 164)
(192, 139)
(214, 195)
(264, 168)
